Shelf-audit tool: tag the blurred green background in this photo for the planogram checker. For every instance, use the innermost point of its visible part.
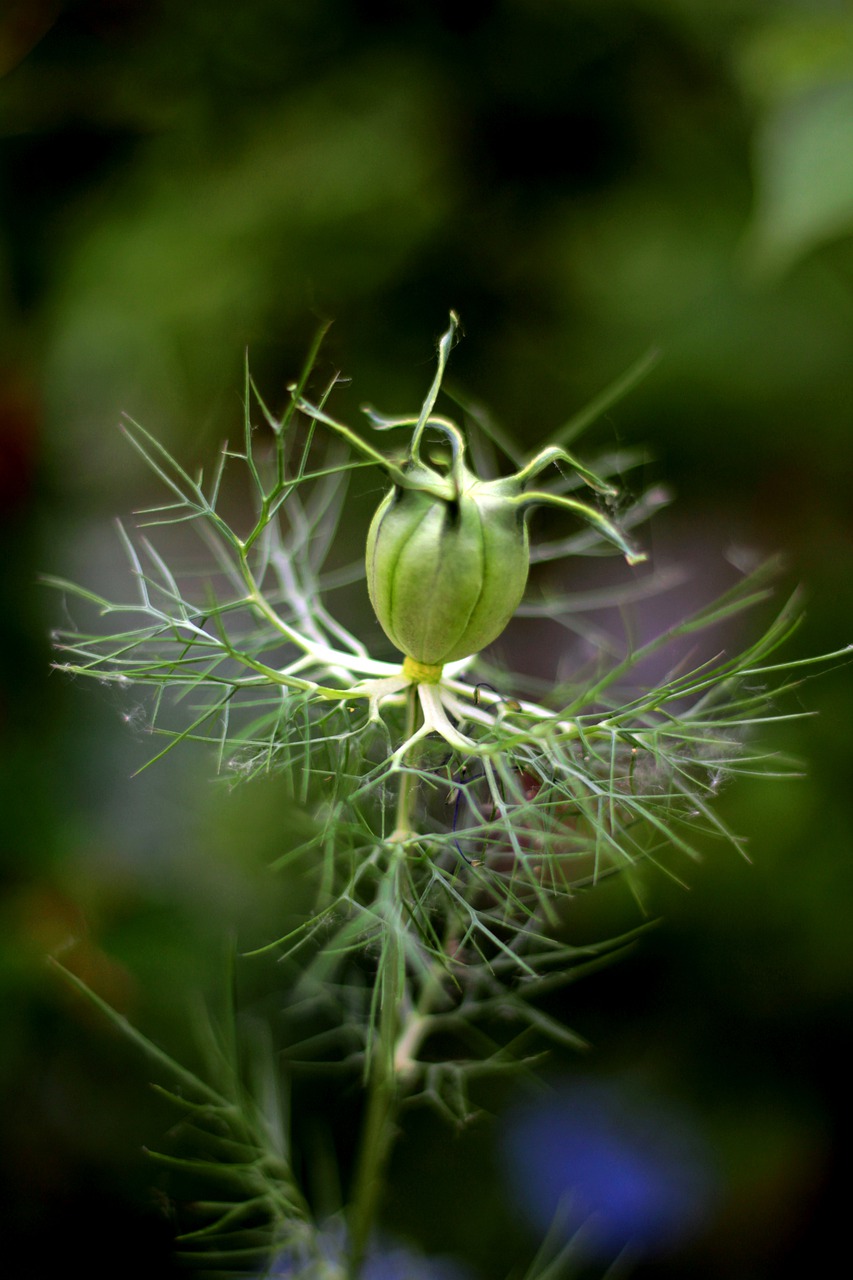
(580, 179)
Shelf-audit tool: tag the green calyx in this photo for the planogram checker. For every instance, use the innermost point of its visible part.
(448, 553)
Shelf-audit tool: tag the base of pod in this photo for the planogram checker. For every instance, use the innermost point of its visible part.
(422, 672)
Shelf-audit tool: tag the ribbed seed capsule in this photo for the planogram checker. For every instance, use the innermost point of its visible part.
(446, 576)
(448, 553)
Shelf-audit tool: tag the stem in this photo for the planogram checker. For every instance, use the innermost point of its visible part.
(392, 1065)
(312, 651)
(376, 1140)
(259, 602)
(383, 1082)
(403, 824)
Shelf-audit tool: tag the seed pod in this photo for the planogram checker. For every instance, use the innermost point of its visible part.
(446, 575)
(448, 553)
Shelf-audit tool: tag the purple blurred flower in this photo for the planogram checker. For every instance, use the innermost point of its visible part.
(629, 1169)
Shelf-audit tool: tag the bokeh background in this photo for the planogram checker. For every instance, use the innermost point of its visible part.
(581, 180)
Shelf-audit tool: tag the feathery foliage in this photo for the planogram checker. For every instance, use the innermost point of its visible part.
(451, 820)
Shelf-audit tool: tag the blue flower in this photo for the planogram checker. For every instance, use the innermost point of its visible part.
(602, 1156)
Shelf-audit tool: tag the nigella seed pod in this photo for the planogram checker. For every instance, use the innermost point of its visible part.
(448, 553)
(445, 575)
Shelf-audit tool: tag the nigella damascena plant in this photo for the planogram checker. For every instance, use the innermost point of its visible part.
(447, 808)
(281, 683)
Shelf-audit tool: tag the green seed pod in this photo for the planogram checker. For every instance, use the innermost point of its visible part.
(448, 553)
(446, 575)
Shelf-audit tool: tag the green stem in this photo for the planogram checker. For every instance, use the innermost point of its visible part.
(383, 1081)
(259, 602)
(376, 1140)
(403, 825)
(383, 1092)
(399, 1039)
